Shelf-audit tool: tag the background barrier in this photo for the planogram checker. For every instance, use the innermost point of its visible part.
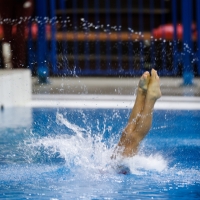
(116, 38)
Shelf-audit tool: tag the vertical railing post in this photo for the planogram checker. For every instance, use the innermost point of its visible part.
(187, 19)
(108, 45)
(97, 42)
(164, 70)
(53, 35)
(130, 42)
(141, 21)
(198, 34)
(75, 43)
(63, 63)
(152, 48)
(86, 42)
(119, 42)
(175, 49)
(42, 69)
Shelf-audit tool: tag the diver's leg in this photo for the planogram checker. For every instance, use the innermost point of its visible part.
(138, 106)
(139, 101)
(130, 140)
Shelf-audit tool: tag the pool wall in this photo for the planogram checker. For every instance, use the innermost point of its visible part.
(15, 87)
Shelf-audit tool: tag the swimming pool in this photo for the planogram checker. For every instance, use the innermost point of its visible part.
(64, 153)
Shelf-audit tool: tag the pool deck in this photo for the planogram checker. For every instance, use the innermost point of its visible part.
(102, 92)
(110, 86)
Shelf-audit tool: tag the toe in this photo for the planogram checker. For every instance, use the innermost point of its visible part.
(154, 73)
(144, 74)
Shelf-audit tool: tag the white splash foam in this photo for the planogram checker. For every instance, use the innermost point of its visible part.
(90, 152)
(61, 120)
(140, 163)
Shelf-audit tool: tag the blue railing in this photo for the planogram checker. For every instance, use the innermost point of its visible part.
(116, 38)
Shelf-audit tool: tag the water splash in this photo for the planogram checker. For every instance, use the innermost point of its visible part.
(87, 151)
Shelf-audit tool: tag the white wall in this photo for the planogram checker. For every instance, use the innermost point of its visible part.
(15, 87)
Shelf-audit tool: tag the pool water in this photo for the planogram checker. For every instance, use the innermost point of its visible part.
(49, 153)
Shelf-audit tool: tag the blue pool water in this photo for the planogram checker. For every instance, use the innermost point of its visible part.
(65, 154)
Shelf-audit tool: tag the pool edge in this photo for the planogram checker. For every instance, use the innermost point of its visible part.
(112, 101)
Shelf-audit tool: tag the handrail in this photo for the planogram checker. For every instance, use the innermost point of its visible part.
(148, 34)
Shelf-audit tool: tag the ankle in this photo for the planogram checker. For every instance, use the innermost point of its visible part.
(141, 91)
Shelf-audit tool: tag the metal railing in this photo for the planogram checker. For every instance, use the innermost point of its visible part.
(77, 37)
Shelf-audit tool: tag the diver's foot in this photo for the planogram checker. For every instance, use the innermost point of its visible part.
(143, 83)
(153, 91)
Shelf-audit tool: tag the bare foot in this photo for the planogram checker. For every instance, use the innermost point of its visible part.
(154, 86)
(144, 81)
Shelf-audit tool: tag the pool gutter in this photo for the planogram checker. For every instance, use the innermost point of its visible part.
(111, 101)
